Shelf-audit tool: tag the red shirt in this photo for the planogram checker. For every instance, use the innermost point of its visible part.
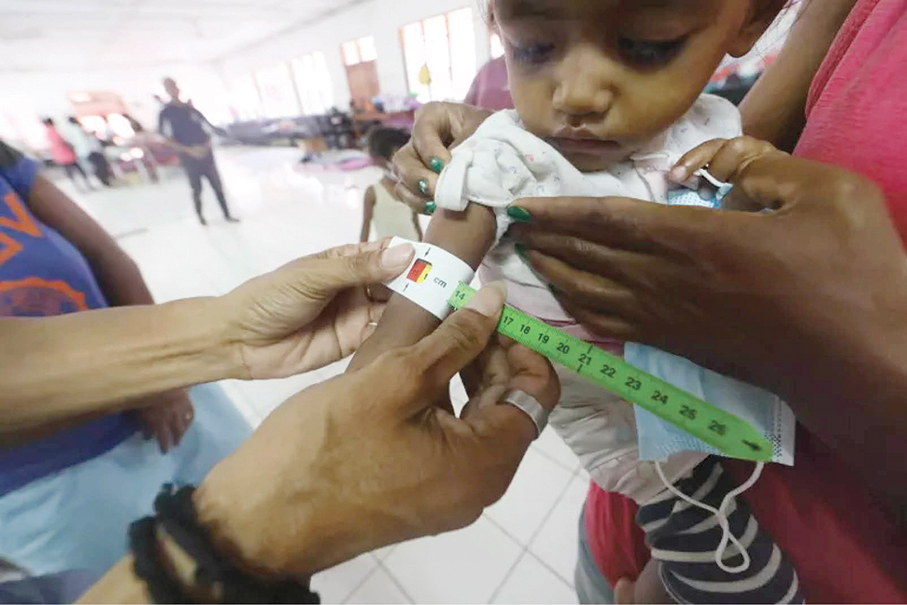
(491, 88)
(844, 546)
(60, 150)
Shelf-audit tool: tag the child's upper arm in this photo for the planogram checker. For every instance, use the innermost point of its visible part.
(370, 197)
(469, 235)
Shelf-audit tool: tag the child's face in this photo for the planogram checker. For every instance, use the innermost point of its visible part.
(599, 78)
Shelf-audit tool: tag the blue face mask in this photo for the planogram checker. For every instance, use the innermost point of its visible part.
(658, 439)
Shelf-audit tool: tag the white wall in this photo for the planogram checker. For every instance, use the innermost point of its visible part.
(48, 92)
(379, 18)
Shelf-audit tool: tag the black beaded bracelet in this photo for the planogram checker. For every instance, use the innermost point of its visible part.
(175, 513)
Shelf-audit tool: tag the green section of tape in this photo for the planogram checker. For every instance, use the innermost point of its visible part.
(720, 429)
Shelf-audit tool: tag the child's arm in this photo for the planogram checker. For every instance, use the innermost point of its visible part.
(647, 588)
(368, 211)
(468, 235)
(418, 226)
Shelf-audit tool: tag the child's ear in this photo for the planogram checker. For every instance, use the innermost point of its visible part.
(761, 15)
(489, 16)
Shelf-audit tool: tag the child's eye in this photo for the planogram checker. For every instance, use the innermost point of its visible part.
(649, 54)
(532, 54)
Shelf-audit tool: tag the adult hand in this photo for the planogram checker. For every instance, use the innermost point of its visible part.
(809, 300)
(166, 417)
(311, 312)
(824, 269)
(367, 459)
(438, 127)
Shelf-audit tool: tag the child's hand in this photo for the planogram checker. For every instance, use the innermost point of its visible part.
(725, 159)
(166, 418)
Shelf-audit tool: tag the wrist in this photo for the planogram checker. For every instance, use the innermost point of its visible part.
(208, 347)
(252, 539)
(251, 531)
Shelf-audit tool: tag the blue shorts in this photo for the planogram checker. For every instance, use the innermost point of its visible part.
(591, 585)
(76, 519)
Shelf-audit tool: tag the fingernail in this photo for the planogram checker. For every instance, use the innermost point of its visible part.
(679, 174)
(520, 250)
(436, 164)
(397, 257)
(430, 208)
(489, 299)
(520, 215)
(423, 187)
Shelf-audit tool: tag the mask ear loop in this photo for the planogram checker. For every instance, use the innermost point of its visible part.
(721, 514)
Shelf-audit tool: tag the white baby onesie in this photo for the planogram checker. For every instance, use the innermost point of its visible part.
(501, 163)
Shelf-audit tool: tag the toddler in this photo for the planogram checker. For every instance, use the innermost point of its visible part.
(381, 208)
(608, 100)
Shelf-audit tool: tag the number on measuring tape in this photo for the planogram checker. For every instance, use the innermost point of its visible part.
(718, 428)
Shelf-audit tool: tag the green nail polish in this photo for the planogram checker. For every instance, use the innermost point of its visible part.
(423, 187)
(430, 208)
(520, 250)
(436, 164)
(518, 214)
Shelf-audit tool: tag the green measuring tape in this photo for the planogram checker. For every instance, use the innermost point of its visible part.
(720, 429)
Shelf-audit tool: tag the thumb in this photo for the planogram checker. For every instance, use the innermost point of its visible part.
(460, 339)
(355, 267)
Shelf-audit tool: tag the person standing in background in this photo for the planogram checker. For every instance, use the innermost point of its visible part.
(88, 148)
(390, 216)
(63, 153)
(186, 130)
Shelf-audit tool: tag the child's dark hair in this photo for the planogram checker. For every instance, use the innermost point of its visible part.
(383, 142)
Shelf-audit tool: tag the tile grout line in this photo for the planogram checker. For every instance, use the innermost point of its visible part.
(541, 526)
(525, 547)
(556, 461)
(361, 582)
(550, 512)
(396, 582)
(507, 576)
(544, 564)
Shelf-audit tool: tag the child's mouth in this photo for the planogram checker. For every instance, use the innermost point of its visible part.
(585, 146)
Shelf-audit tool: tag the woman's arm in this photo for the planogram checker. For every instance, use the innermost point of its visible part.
(305, 315)
(775, 109)
(96, 361)
(468, 235)
(368, 212)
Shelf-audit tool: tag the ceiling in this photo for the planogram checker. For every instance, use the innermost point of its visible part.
(66, 35)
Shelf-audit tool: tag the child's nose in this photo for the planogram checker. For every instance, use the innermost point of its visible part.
(585, 86)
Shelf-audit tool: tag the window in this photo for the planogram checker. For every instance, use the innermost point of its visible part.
(440, 55)
(496, 45)
(19, 124)
(245, 100)
(359, 51)
(278, 97)
(313, 83)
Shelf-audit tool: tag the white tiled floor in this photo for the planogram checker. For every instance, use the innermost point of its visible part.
(522, 550)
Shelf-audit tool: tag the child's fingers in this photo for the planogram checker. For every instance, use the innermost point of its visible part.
(735, 155)
(694, 160)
